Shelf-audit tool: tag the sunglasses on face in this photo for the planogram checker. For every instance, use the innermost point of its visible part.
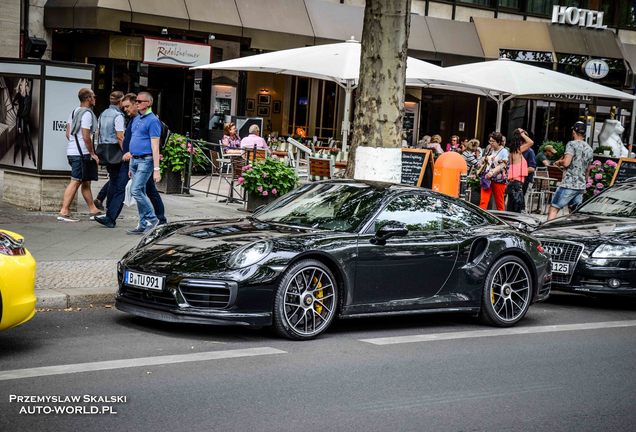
(140, 101)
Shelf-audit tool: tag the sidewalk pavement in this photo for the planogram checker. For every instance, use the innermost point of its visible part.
(77, 261)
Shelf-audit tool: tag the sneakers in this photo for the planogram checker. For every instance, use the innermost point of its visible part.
(151, 226)
(105, 221)
(136, 231)
(98, 204)
(66, 218)
(94, 215)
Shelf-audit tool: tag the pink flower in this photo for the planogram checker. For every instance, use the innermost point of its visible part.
(264, 175)
(265, 193)
(183, 145)
(274, 191)
(598, 176)
(160, 156)
(596, 192)
(241, 180)
(611, 163)
(597, 163)
(260, 188)
(246, 168)
(600, 185)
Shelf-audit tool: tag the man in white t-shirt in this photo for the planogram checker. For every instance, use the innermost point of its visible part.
(81, 124)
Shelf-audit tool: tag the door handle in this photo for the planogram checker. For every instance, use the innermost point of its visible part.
(445, 253)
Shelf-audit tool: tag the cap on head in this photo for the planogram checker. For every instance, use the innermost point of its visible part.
(579, 127)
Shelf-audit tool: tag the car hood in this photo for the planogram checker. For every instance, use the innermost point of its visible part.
(204, 246)
(588, 228)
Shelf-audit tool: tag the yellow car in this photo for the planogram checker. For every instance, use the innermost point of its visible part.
(17, 281)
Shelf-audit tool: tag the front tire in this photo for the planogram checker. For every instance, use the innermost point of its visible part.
(306, 301)
(507, 292)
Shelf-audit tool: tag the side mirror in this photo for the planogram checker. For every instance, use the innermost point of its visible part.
(389, 230)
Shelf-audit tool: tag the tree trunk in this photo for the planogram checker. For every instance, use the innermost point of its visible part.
(377, 129)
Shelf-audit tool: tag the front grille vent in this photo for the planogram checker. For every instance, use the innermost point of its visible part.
(147, 296)
(208, 294)
(563, 252)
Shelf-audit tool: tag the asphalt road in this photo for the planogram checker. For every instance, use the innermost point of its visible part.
(568, 367)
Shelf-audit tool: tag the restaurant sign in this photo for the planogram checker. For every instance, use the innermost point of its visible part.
(596, 68)
(172, 53)
(577, 17)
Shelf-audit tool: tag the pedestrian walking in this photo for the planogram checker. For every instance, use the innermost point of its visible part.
(81, 156)
(144, 164)
(116, 203)
(576, 163)
(110, 133)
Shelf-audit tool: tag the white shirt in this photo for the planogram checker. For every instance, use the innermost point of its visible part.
(86, 123)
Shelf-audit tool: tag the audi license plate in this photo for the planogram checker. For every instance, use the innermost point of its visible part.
(559, 267)
(144, 281)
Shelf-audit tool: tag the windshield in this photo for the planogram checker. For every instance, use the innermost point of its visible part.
(337, 207)
(619, 201)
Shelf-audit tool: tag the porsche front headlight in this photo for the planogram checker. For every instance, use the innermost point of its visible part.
(615, 251)
(249, 254)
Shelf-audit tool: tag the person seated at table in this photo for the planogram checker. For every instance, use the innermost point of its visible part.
(543, 158)
(254, 140)
(472, 160)
(454, 144)
(435, 144)
(230, 140)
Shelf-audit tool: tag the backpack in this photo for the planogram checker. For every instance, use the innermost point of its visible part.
(165, 134)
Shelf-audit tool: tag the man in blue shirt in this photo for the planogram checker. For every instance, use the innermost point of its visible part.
(116, 204)
(144, 164)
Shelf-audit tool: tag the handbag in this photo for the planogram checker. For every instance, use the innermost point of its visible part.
(128, 198)
(89, 166)
(109, 154)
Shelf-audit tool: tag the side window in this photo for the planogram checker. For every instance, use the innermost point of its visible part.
(417, 212)
(421, 213)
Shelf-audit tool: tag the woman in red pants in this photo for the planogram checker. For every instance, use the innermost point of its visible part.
(494, 174)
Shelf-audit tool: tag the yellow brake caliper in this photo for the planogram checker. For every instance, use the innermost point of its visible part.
(318, 293)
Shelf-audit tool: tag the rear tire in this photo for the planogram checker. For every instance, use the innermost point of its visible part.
(507, 292)
(305, 301)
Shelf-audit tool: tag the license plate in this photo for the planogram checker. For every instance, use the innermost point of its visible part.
(145, 281)
(559, 267)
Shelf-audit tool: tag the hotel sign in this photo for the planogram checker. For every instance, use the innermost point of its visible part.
(577, 17)
(596, 69)
(173, 53)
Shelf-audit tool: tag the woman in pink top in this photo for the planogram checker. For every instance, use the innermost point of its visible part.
(517, 173)
(230, 140)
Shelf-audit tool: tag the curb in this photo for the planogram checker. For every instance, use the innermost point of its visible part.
(77, 297)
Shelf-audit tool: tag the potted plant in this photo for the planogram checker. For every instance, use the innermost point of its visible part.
(472, 182)
(601, 175)
(266, 180)
(175, 159)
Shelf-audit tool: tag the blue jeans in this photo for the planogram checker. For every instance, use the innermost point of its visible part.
(142, 169)
(567, 197)
(116, 203)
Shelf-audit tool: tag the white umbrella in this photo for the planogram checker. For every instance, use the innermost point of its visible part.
(504, 79)
(339, 63)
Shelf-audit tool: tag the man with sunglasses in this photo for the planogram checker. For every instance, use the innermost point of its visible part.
(115, 206)
(144, 164)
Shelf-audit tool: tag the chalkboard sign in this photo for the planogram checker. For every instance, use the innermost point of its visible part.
(414, 163)
(626, 169)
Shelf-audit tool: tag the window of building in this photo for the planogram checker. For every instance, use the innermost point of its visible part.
(299, 106)
(509, 4)
(326, 109)
(483, 3)
(535, 58)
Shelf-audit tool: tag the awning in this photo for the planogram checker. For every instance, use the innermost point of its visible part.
(496, 34)
(86, 14)
(629, 50)
(455, 37)
(420, 37)
(589, 42)
(214, 16)
(270, 23)
(334, 21)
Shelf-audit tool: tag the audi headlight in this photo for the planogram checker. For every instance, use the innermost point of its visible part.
(615, 251)
(249, 254)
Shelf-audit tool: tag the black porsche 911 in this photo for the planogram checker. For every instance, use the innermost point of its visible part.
(336, 249)
(593, 249)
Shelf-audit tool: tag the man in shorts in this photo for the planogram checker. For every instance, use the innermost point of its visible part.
(576, 162)
(81, 124)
